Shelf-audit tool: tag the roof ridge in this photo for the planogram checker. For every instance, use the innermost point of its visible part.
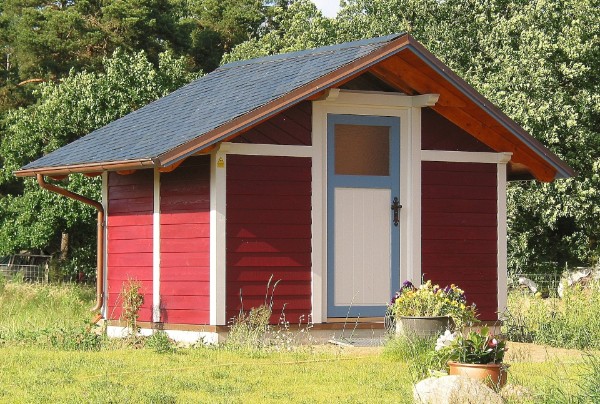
(314, 51)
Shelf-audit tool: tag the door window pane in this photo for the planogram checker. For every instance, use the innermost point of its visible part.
(362, 150)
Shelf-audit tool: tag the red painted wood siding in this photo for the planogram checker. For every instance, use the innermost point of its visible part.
(269, 233)
(438, 133)
(129, 233)
(185, 243)
(291, 127)
(459, 230)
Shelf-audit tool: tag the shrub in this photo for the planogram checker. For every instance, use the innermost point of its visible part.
(161, 343)
(132, 300)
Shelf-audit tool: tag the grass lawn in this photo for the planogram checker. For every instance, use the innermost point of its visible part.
(349, 375)
(38, 367)
(198, 375)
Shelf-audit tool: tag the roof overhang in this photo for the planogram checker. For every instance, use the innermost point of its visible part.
(407, 66)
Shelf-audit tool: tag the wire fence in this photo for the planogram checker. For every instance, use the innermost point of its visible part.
(544, 282)
(30, 268)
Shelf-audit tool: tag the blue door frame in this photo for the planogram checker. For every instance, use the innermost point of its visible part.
(391, 182)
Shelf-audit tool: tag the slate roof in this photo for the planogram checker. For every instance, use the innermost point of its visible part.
(205, 104)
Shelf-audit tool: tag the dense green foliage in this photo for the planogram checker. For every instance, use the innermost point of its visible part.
(539, 61)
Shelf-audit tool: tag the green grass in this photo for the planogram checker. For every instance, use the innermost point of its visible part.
(198, 375)
(570, 322)
(36, 368)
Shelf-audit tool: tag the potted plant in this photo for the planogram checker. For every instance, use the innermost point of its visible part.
(478, 354)
(427, 310)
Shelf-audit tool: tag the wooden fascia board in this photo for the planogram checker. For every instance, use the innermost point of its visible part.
(541, 151)
(260, 114)
(87, 168)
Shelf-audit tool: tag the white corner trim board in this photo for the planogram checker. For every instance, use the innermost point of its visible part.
(156, 249)
(502, 241)
(105, 252)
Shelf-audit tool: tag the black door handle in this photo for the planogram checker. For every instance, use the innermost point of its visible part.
(396, 209)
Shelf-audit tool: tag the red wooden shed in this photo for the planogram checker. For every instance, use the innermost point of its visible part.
(340, 171)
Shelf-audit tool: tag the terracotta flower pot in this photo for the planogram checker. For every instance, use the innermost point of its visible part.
(423, 326)
(492, 374)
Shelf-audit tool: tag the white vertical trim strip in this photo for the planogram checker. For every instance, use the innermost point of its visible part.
(414, 189)
(105, 252)
(218, 171)
(156, 249)
(465, 157)
(319, 223)
(502, 248)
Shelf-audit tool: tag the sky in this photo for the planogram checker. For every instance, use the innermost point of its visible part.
(328, 7)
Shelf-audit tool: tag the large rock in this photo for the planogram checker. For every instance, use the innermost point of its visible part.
(454, 390)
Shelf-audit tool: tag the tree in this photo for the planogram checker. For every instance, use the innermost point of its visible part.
(35, 219)
(299, 25)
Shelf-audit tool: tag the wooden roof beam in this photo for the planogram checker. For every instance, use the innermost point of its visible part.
(392, 79)
(422, 83)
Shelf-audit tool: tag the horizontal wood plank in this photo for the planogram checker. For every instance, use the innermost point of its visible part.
(183, 218)
(436, 232)
(123, 220)
(176, 316)
(129, 246)
(243, 216)
(262, 274)
(133, 205)
(184, 231)
(178, 273)
(187, 259)
(184, 288)
(130, 260)
(257, 187)
(462, 219)
(130, 232)
(459, 192)
(250, 245)
(185, 245)
(268, 260)
(458, 205)
(268, 231)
